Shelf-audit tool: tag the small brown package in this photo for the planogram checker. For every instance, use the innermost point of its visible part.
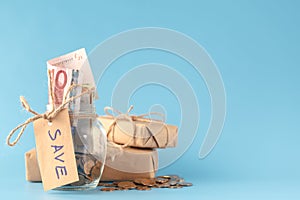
(139, 132)
(129, 163)
(121, 164)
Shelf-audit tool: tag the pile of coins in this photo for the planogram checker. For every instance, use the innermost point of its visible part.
(88, 169)
(168, 181)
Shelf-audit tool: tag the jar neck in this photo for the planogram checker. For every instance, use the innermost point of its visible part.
(85, 110)
(88, 110)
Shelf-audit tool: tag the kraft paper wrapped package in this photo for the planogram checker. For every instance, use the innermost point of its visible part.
(32, 168)
(129, 163)
(121, 164)
(139, 132)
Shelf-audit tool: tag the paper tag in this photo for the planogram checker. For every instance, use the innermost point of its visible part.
(55, 151)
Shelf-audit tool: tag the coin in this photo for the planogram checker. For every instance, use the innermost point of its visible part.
(172, 183)
(138, 181)
(148, 182)
(164, 185)
(175, 187)
(180, 180)
(145, 181)
(88, 166)
(143, 188)
(116, 183)
(95, 172)
(127, 185)
(106, 184)
(80, 182)
(185, 184)
(174, 176)
(161, 180)
(98, 164)
(166, 176)
(122, 189)
(108, 189)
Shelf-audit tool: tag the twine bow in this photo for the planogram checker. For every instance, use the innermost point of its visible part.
(131, 118)
(48, 115)
(143, 117)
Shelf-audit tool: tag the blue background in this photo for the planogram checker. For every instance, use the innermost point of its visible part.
(255, 45)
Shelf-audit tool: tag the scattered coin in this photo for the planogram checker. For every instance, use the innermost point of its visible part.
(172, 183)
(143, 188)
(180, 180)
(108, 189)
(138, 181)
(106, 184)
(148, 182)
(161, 180)
(166, 176)
(116, 183)
(175, 187)
(122, 189)
(174, 176)
(164, 185)
(126, 185)
(185, 184)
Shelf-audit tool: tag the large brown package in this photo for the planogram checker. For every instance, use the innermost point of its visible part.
(121, 164)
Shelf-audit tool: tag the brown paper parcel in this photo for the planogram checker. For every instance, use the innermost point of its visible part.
(32, 167)
(121, 164)
(129, 163)
(139, 132)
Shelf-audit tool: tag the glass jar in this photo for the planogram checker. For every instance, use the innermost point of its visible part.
(89, 139)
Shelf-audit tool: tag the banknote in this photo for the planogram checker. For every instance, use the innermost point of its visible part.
(77, 60)
(61, 79)
(72, 68)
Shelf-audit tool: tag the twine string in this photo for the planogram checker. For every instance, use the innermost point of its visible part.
(47, 115)
(142, 118)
